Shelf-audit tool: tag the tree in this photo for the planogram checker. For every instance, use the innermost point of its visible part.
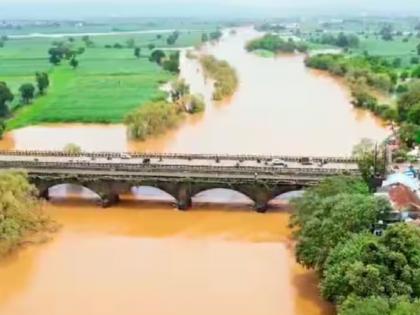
(157, 56)
(179, 89)
(408, 133)
(386, 33)
(27, 92)
(333, 220)
(72, 149)
(414, 114)
(20, 211)
(416, 72)
(370, 159)
(81, 50)
(137, 52)
(366, 265)
(408, 100)
(6, 96)
(380, 306)
(369, 306)
(2, 128)
(204, 37)
(151, 46)
(130, 43)
(172, 63)
(74, 63)
(418, 49)
(42, 81)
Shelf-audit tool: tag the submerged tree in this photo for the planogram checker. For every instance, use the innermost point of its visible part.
(72, 148)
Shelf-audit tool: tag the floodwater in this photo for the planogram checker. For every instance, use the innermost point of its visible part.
(144, 257)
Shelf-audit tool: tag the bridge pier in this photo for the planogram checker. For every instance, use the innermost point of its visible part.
(261, 207)
(109, 200)
(183, 200)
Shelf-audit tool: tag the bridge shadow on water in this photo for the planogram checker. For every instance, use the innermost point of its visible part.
(150, 197)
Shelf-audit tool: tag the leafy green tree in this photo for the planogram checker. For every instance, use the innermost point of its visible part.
(416, 72)
(370, 306)
(2, 128)
(137, 52)
(6, 96)
(157, 56)
(27, 92)
(334, 220)
(418, 49)
(81, 50)
(408, 99)
(204, 38)
(172, 63)
(366, 265)
(74, 63)
(130, 43)
(414, 114)
(151, 46)
(42, 81)
(408, 133)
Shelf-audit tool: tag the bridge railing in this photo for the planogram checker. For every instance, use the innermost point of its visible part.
(182, 156)
(86, 166)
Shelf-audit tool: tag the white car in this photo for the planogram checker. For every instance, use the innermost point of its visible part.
(278, 162)
(125, 156)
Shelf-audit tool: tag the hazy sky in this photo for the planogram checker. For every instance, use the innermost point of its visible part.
(75, 8)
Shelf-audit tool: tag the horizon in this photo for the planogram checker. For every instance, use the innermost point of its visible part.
(78, 9)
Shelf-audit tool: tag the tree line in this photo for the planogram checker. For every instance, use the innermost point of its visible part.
(27, 94)
(276, 44)
(364, 74)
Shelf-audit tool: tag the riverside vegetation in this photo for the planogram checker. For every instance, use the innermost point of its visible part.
(155, 117)
(359, 272)
(91, 79)
(275, 44)
(225, 77)
(20, 212)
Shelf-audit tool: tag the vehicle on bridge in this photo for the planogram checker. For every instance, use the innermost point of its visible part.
(278, 162)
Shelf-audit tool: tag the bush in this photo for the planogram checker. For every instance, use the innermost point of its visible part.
(275, 44)
(224, 75)
(20, 211)
(72, 148)
(152, 119)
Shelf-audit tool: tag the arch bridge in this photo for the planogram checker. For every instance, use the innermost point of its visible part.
(110, 174)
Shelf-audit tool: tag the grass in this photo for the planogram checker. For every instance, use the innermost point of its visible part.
(264, 53)
(108, 84)
(389, 49)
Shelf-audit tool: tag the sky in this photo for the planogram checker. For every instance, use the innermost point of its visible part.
(92, 8)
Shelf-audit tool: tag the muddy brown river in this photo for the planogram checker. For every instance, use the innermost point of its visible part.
(144, 257)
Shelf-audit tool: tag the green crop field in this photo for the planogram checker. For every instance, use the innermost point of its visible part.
(108, 84)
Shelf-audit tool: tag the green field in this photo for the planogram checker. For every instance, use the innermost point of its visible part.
(108, 84)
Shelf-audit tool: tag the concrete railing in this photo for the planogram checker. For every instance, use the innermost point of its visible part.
(243, 157)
